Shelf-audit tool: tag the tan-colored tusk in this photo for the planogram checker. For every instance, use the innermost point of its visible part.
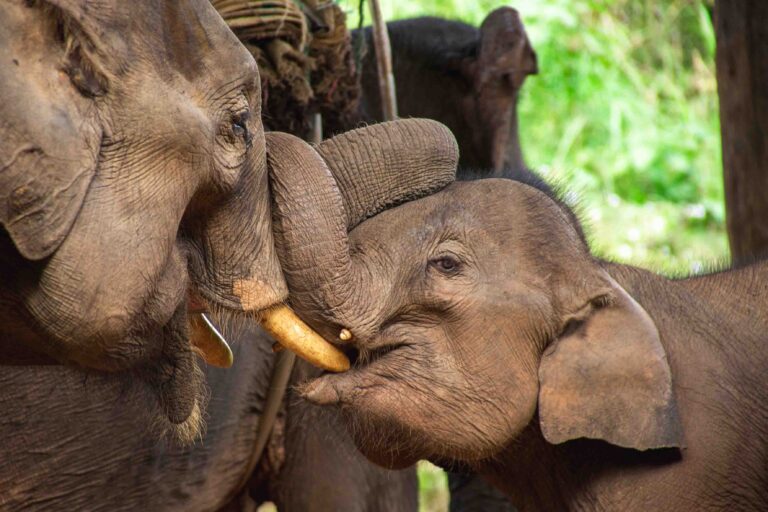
(292, 333)
(345, 335)
(210, 344)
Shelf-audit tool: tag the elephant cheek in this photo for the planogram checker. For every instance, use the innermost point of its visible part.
(234, 263)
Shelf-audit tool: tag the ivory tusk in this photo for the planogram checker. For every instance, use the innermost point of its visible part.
(345, 335)
(292, 333)
(210, 344)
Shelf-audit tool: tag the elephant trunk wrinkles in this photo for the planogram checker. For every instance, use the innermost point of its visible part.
(320, 195)
(310, 229)
(390, 163)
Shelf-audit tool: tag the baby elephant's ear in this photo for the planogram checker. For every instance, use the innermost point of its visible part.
(609, 379)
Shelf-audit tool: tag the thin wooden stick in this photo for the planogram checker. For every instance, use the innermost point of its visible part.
(316, 133)
(383, 62)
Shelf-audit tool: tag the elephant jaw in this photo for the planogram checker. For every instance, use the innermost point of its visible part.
(281, 323)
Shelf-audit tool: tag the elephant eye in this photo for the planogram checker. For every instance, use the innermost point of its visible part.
(447, 264)
(240, 127)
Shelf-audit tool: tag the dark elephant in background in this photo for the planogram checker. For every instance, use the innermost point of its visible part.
(467, 78)
(485, 333)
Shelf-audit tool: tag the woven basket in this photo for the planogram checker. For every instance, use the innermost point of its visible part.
(255, 20)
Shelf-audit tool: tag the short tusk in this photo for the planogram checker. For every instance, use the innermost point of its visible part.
(210, 344)
(345, 335)
(291, 332)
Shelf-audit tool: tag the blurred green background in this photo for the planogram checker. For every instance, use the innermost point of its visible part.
(624, 116)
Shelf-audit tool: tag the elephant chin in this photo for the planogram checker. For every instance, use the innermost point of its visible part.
(176, 382)
(383, 444)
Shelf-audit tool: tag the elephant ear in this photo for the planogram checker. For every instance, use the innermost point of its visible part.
(607, 377)
(49, 130)
(505, 48)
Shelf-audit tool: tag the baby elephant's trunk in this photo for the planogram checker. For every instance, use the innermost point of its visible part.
(319, 194)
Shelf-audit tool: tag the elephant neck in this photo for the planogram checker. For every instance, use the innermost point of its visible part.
(19, 343)
(531, 473)
(539, 476)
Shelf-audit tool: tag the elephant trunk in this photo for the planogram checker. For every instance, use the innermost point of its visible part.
(310, 228)
(321, 194)
(387, 164)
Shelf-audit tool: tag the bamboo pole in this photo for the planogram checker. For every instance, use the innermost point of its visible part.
(316, 132)
(383, 62)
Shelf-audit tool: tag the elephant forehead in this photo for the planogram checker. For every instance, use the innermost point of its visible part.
(199, 34)
(413, 221)
(184, 37)
(461, 207)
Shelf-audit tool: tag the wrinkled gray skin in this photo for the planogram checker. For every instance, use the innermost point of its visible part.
(133, 167)
(129, 130)
(466, 77)
(470, 79)
(489, 335)
(76, 443)
(79, 441)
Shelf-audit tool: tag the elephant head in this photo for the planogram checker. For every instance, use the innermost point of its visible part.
(133, 168)
(505, 58)
(466, 78)
(477, 313)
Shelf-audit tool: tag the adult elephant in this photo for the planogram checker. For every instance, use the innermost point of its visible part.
(466, 77)
(132, 168)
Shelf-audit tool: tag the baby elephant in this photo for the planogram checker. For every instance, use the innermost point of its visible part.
(489, 337)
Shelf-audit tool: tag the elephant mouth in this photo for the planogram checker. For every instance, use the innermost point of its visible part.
(205, 338)
(362, 358)
(371, 367)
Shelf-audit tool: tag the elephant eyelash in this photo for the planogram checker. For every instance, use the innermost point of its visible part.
(240, 126)
(601, 301)
(448, 264)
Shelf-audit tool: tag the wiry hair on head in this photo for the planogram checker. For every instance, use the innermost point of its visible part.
(528, 177)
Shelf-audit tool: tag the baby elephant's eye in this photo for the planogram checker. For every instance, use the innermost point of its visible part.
(446, 264)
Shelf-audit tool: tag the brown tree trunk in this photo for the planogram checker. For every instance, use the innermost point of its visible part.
(742, 82)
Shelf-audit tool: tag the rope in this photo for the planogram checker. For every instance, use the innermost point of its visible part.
(278, 383)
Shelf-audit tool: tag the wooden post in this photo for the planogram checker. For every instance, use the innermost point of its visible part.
(742, 81)
(383, 62)
(316, 132)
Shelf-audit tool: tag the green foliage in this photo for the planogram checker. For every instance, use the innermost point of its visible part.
(433, 488)
(625, 113)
